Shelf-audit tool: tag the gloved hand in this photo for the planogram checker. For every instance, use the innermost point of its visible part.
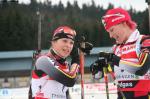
(97, 66)
(110, 58)
(84, 46)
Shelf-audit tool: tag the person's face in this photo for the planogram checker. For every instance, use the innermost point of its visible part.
(63, 46)
(118, 32)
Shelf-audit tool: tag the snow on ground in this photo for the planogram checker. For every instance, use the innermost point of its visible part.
(91, 91)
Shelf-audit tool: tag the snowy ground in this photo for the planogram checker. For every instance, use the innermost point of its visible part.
(91, 91)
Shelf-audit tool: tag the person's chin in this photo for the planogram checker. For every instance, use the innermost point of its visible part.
(117, 42)
(65, 55)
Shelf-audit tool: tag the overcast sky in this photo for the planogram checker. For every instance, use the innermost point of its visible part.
(139, 5)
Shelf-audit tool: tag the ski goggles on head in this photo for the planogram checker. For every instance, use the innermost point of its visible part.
(64, 32)
(63, 35)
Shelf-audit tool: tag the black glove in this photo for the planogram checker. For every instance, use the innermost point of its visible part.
(110, 58)
(84, 46)
(98, 65)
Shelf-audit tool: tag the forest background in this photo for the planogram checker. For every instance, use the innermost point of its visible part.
(19, 23)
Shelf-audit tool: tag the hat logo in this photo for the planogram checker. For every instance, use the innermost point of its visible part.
(120, 16)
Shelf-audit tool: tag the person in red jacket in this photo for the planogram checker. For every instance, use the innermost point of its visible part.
(52, 74)
(131, 55)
